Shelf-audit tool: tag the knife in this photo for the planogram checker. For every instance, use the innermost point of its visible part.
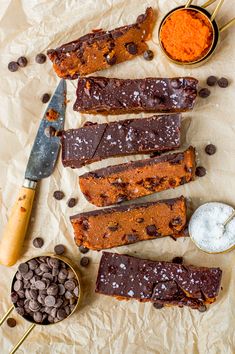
(40, 165)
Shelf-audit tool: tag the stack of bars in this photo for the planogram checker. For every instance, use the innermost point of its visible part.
(160, 282)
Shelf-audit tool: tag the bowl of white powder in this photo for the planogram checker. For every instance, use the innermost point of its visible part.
(207, 231)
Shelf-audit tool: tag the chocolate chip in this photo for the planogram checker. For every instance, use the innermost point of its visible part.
(204, 93)
(28, 275)
(211, 80)
(22, 62)
(23, 268)
(38, 242)
(40, 284)
(210, 149)
(18, 285)
(148, 55)
(38, 317)
(76, 291)
(223, 82)
(34, 305)
(54, 262)
(53, 289)
(50, 300)
(175, 83)
(113, 227)
(72, 202)
(140, 220)
(11, 322)
(83, 249)
(13, 66)
(178, 260)
(158, 306)
(61, 289)
(59, 249)
(151, 230)
(61, 314)
(131, 48)
(20, 311)
(110, 60)
(63, 274)
(84, 261)
(200, 171)
(40, 58)
(33, 294)
(58, 195)
(176, 221)
(202, 308)
(33, 264)
(14, 297)
(132, 238)
(45, 98)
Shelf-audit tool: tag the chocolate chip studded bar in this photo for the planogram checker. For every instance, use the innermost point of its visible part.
(163, 283)
(112, 227)
(101, 49)
(132, 136)
(116, 96)
(132, 180)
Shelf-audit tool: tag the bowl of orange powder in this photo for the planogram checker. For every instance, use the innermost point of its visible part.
(186, 36)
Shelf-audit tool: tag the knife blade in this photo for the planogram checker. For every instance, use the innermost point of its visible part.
(40, 165)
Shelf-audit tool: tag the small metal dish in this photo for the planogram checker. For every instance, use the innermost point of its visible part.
(216, 30)
(73, 267)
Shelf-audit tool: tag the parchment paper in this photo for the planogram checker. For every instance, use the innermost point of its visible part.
(105, 325)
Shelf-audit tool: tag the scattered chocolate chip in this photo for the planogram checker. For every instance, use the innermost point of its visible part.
(148, 55)
(131, 48)
(158, 306)
(200, 171)
(151, 230)
(202, 308)
(83, 249)
(58, 195)
(40, 58)
(23, 268)
(72, 202)
(84, 261)
(45, 98)
(223, 82)
(211, 80)
(59, 249)
(13, 66)
(22, 62)
(110, 60)
(50, 131)
(204, 93)
(11, 322)
(210, 149)
(38, 242)
(178, 260)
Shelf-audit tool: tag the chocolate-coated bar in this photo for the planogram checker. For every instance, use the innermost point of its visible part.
(95, 142)
(132, 180)
(101, 49)
(163, 283)
(122, 225)
(117, 96)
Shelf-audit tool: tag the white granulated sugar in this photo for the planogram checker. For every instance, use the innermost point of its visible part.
(206, 227)
(130, 293)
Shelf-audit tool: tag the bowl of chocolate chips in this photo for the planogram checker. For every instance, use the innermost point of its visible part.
(46, 289)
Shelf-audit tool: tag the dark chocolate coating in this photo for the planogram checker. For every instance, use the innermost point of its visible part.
(132, 136)
(117, 96)
(162, 282)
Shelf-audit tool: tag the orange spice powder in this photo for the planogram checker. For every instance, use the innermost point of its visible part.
(186, 35)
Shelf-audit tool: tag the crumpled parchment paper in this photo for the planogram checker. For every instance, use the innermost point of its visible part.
(105, 325)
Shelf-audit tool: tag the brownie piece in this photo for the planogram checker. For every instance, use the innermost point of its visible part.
(117, 96)
(101, 49)
(139, 178)
(132, 136)
(164, 283)
(111, 227)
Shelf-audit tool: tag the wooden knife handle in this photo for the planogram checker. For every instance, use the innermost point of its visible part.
(16, 227)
